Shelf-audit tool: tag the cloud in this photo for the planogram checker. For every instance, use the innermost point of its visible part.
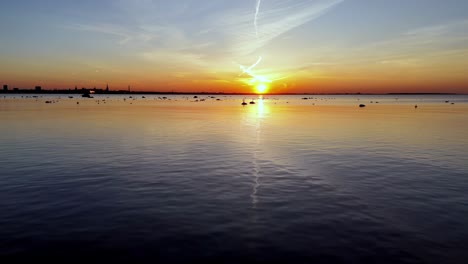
(437, 37)
(276, 17)
(413, 47)
(122, 34)
(211, 27)
(175, 58)
(453, 27)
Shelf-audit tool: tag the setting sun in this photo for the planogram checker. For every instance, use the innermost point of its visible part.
(261, 88)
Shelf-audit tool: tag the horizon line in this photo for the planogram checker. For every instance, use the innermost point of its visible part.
(103, 91)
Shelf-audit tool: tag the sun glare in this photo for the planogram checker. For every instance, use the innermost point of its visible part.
(261, 88)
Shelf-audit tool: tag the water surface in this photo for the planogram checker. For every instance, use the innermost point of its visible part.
(185, 179)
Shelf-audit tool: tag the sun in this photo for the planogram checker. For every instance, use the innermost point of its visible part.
(261, 88)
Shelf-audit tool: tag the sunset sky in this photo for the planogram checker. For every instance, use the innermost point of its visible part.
(311, 46)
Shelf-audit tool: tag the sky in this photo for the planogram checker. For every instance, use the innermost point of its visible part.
(301, 46)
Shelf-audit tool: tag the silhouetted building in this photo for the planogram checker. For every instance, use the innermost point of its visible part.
(107, 87)
(5, 87)
(38, 88)
(16, 89)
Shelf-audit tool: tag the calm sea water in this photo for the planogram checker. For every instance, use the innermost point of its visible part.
(286, 179)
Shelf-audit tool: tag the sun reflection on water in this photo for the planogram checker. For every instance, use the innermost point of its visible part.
(256, 118)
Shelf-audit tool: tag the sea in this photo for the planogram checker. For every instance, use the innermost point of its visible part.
(202, 178)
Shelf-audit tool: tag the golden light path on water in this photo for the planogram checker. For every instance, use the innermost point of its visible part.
(257, 116)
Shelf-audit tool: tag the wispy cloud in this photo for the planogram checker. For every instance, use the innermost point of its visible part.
(413, 47)
(123, 35)
(276, 17)
(457, 27)
(221, 30)
(234, 26)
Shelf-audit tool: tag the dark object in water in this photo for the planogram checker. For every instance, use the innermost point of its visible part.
(195, 97)
(243, 102)
(70, 97)
(252, 102)
(415, 106)
(48, 102)
(305, 98)
(447, 101)
(362, 105)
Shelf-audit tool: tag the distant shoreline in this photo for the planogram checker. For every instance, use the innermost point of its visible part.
(121, 92)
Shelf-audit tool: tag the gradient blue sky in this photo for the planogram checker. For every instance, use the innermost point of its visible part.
(188, 45)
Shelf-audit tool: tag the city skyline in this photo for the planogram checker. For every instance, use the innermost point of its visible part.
(306, 46)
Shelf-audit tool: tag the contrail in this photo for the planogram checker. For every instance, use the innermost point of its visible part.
(257, 9)
(256, 78)
(249, 69)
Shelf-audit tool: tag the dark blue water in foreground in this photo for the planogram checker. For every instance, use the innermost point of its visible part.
(211, 181)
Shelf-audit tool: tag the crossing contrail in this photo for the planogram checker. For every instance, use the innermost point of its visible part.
(250, 68)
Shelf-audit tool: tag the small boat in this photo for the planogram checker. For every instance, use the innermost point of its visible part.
(252, 102)
(243, 102)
